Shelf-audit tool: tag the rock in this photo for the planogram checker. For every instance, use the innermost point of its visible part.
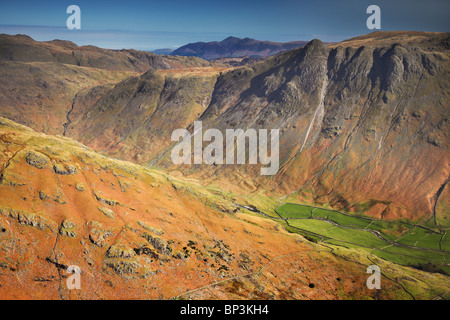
(63, 169)
(42, 195)
(107, 212)
(154, 230)
(98, 234)
(79, 186)
(331, 132)
(159, 244)
(37, 159)
(146, 251)
(109, 202)
(120, 251)
(123, 267)
(67, 229)
(30, 219)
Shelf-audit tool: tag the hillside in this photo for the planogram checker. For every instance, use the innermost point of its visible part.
(23, 48)
(369, 112)
(140, 234)
(42, 79)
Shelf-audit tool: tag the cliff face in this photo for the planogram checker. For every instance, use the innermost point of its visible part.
(136, 117)
(364, 128)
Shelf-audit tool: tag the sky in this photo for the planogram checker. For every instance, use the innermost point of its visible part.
(150, 25)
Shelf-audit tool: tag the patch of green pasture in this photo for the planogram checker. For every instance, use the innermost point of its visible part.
(349, 221)
(421, 237)
(290, 210)
(357, 237)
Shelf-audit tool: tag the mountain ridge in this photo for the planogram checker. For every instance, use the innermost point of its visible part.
(233, 47)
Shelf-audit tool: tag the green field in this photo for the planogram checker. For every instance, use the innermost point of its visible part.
(289, 210)
(396, 241)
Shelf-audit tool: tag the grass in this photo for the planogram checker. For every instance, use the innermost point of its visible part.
(446, 243)
(348, 221)
(421, 237)
(290, 210)
(406, 244)
(356, 237)
(321, 213)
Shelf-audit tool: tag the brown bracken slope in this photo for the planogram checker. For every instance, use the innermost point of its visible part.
(137, 233)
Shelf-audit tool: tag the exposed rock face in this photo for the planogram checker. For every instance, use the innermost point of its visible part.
(64, 169)
(361, 122)
(37, 159)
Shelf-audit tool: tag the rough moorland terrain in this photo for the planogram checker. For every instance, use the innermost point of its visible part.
(137, 233)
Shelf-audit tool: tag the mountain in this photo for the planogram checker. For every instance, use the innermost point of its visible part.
(23, 48)
(41, 79)
(235, 47)
(163, 52)
(141, 112)
(350, 115)
(367, 112)
(363, 124)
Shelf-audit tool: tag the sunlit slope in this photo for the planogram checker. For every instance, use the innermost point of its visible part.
(138, 233)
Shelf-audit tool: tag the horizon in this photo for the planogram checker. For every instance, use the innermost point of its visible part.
(150, 26)
(173, 49)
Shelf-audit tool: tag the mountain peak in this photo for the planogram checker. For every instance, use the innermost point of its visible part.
(231, 38)
(315, 43)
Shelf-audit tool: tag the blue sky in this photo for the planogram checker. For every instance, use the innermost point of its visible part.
(149, 25)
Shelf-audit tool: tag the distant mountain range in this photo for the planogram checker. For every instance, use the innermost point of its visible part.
(164, 52)
(233, 47)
